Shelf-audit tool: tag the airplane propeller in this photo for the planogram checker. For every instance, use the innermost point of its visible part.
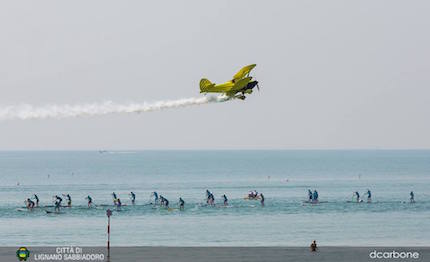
(258, 88)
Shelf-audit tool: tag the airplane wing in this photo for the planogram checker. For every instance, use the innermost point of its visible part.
(207, 86)
(243, 72)
(241, 84)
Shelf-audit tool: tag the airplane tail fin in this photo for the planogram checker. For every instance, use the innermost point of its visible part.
(204, 85)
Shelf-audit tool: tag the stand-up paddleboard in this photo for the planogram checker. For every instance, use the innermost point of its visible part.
(224, 206)
(53, 212)
(22, 210)
(52, 206)
(361, 201)
(24, 207)
(314, 202)
(252, 198)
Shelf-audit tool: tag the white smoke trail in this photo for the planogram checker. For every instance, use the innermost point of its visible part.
(26, 111)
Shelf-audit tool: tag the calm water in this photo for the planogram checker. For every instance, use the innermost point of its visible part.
(283, 177)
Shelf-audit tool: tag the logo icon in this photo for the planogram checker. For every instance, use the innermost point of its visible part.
(22, 254)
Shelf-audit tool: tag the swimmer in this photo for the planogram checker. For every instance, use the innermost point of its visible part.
(133, 197)
(181, 204)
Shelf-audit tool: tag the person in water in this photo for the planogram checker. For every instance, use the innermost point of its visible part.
(262, 199)
(369, 196)
(310, 195)
(181, 204)
(225, 200)
(37, 199)
(90, 201)
(29, 204)
(357, 196)
(315, 196)
(412, 198)
(133, 197)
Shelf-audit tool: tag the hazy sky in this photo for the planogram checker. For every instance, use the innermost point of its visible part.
(333, 74)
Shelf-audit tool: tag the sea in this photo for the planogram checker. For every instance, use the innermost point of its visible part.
(283, 176)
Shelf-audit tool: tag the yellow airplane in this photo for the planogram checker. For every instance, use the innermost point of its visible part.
(240, 85)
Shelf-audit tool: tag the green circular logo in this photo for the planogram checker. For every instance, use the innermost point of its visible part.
(22, 254)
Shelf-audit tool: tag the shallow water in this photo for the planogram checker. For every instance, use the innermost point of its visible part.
(283, 176)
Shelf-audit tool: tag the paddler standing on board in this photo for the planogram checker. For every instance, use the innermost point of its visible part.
(262, 199)
(357, 196)
(118, 204)
(181, 204)
(225, 200)
(69, 200)
(115, 199)
(37, 199)
(57, 203)
(315, 196)
(210, 199)
(155, 194)
(369, 196)
(133, 197)
(412, 198)
(90, 201)
(164, 201)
